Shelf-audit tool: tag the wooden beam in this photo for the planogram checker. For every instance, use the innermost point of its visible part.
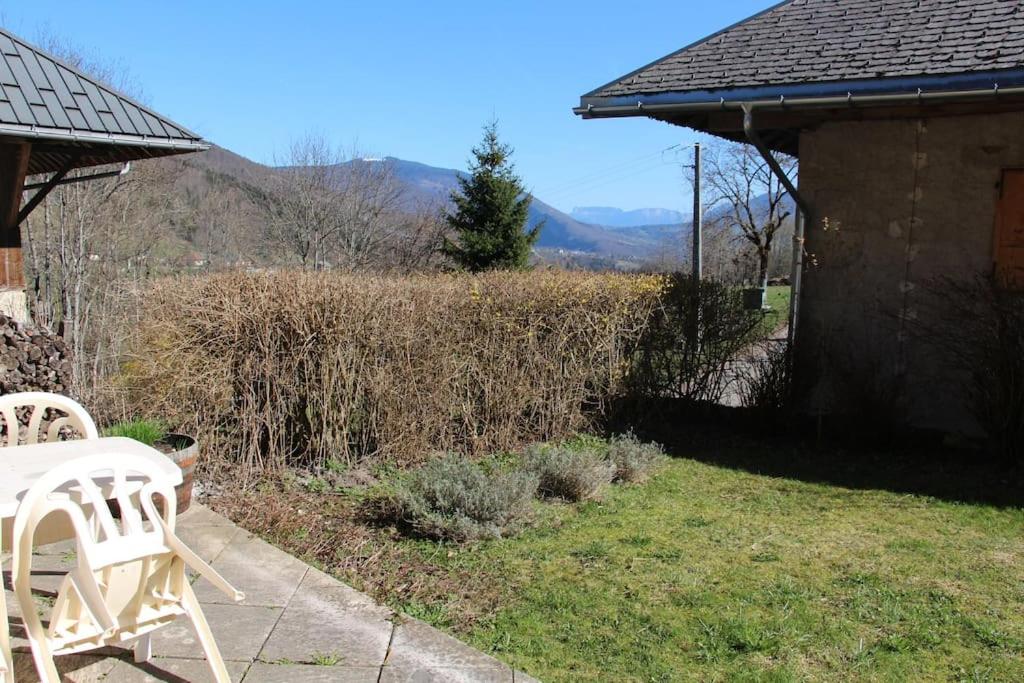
(14, 157)
(44, 190)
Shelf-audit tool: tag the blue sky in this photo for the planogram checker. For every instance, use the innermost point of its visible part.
(411, 79)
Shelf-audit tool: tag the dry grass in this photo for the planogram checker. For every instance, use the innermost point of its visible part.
(329, 532)
(302, 369)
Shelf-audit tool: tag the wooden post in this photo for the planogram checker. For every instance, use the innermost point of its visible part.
(14, 158)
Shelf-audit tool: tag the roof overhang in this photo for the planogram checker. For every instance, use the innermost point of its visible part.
(54, 149)
(788, 109)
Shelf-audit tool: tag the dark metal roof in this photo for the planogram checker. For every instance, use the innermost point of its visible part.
(801, 42)
(73, 119)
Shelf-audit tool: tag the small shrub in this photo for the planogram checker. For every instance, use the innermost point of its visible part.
(146, 431)
(765, 378)
(690, 340)
(453, 499)
(569, 474)
(632, 459)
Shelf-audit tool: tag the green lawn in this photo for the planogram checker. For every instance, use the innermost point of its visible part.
(778, 304)
(712, 573)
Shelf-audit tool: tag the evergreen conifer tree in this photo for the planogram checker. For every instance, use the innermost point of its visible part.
(490, 211)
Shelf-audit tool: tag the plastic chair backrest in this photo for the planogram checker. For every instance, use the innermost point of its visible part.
(40, 402)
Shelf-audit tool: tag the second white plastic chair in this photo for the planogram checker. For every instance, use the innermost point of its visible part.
(39, 402)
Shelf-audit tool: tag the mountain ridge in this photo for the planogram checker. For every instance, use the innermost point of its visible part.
(560, 230)
(613, 217)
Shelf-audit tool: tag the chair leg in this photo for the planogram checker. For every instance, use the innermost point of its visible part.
(143, 649)
(45, 666)
(6, 660)
(195, 613)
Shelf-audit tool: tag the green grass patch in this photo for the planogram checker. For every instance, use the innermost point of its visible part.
(146, 431)
(708, 573)
(777, 314)
(713, 574)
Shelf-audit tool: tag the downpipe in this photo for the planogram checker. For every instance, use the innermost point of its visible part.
(802, 218)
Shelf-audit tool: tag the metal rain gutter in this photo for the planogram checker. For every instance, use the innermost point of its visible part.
(69, 135)
(782, 102)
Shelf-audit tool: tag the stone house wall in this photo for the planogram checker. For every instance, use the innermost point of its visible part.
(899, 205)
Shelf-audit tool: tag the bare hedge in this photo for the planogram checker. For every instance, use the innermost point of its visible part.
(301, 369)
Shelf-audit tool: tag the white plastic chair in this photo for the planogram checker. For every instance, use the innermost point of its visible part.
(130, 577)
(39, 402)
(76, 417)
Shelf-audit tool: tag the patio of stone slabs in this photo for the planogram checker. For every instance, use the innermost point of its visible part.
(296, 625)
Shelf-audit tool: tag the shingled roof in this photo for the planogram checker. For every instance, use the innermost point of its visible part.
(71, 117)
(802, 42)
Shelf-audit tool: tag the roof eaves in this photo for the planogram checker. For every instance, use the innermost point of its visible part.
(76, 136)
(982, 82)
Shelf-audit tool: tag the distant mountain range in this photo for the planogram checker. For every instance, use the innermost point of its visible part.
(560, 231)
(626, 238)
(619, 218)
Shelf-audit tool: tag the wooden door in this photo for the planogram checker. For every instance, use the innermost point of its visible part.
(1009, 246)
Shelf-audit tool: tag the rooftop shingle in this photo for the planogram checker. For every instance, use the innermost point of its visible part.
(41, 92)
(818, 41)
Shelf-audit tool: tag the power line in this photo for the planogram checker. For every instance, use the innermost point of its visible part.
(601, 182)
(604, 172)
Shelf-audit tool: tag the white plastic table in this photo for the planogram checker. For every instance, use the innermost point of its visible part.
(22, 466)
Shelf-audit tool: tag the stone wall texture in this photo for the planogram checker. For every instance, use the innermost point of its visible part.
(899, 205)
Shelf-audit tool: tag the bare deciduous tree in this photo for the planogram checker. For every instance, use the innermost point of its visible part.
(85, 241)
(741, 180)
(331, 209)
(414, 245)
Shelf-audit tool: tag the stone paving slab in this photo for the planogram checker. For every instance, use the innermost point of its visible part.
(323, 591)
(270, 577)
(240, 631)
(261, 672)
(417, 646)
(170, 670)
(208, 542)
(353, 631)
(390, 674)
(73, 669)
(297, 625)
(200, 515)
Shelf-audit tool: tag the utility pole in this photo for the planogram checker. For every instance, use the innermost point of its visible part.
(698, 218)
(693, 333)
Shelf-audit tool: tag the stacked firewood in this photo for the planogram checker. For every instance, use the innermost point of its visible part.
(32, 359)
